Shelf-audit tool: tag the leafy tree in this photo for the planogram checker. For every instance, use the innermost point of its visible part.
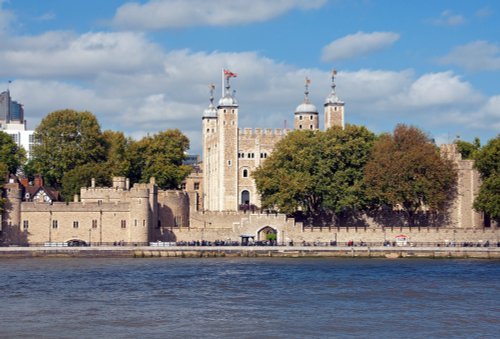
(81, 176)
(406, 170)
(468, 150)
(160, 156)
(318, 173)
(488, 165)
(67, 139)
(117, 152)
(10, 154)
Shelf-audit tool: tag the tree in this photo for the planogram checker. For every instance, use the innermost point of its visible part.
(161, 156)
(318, 173)
(10, 154)
(406, 170)
(81, 176)
(488, 165)
(468, 150)
(117, 148)
(67, 139)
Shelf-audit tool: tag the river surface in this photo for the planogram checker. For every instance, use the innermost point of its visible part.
(249, 298)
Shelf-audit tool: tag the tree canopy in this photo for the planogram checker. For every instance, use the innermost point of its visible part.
(72, 150)
(468, 150)
(11, 156)
(161, 156)
(318, 173)
(406, 170)
(488, 165)
(66, 140)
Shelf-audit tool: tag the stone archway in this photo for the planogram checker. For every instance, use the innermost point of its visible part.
(268, 234)
(245, 198)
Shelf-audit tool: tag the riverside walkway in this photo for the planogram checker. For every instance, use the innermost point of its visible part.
(253, 251)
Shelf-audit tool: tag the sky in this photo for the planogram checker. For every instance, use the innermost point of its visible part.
(146, 66)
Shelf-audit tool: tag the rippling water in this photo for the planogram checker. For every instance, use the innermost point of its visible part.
(249, 298)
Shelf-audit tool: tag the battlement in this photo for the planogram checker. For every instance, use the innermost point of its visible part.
(76, 207)
(264, 131)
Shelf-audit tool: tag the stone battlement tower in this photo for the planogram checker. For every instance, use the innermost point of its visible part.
(230, 154)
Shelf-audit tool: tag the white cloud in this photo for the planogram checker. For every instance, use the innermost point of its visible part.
(358, 44)
(448, 18)
(484, 12)
(475, 56)
(436, 89)
(64, 54)
(161, 14)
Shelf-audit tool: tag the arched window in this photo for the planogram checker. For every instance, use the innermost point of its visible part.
(245, 197)
(245, 173)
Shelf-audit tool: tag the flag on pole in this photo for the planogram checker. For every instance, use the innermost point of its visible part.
(229, 74)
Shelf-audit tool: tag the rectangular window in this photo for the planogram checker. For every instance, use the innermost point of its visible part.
(135, 222)
(75, 224)
(55, 224)
(196, 185)
(25, 224)
(124, 223)
(94, 223)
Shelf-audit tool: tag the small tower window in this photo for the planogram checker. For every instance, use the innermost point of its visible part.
(310, 117)
(300, 117)
(300, 126)
(335, 108)
(245, 173)
(75, 224)
(311, 126)
(229, 162)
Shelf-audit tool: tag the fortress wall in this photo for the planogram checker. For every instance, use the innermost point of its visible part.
(173, 209)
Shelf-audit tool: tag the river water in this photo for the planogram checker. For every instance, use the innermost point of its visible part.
(249, 298)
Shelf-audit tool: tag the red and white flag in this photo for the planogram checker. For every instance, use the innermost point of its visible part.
(229, 74)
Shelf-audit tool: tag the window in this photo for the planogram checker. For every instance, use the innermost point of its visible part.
(135, 222)
(55, 224)
(300, 117)
(196, 185)
(124, 223)
(94, 223)
(229, 162)
(300, 126)
(25, 224)
(310, 117)
(335, 108)
(75, 224)
(245, 173)
(310, 126)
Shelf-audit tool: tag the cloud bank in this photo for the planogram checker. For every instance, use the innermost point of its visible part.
(164, 14)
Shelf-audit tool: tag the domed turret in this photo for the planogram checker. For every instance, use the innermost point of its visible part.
(306, 114)
(228, 99)
(211, 111)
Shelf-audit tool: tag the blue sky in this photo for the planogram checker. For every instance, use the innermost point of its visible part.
(145, 66)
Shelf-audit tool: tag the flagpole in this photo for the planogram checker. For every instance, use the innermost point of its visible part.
(222, 87)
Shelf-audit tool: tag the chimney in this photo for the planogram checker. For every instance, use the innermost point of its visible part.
(38, 181)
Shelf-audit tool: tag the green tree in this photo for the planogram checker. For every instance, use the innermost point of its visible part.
(67, 139)
(117, 148)
(318, 173)
(406, 170)
(10, 154)
(160, 156)
(81, 176)
(488, 165)
(468, 150)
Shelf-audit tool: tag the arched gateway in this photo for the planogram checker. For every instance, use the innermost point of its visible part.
(268, 233)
